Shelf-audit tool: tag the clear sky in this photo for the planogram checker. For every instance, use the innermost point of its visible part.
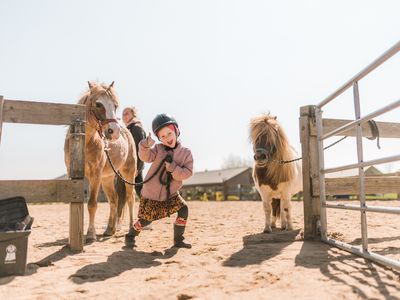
(213, 64)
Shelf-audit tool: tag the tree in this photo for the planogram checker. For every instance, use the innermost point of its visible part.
(235, 161)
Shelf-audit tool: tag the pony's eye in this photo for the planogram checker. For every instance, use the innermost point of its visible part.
(98, 105)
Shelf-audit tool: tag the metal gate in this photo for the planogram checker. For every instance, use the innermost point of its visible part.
(314, 130)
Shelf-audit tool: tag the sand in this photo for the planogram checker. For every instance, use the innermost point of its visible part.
(231, 258)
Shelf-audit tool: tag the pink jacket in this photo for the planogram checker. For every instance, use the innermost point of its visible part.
(181, 169)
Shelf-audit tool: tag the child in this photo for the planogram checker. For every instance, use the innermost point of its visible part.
(171, 163)
(132, 122)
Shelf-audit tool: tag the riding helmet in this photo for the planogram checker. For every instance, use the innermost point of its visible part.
(162, 120)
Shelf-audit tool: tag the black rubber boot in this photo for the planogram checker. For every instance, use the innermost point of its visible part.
(130, 238)
(179, 240)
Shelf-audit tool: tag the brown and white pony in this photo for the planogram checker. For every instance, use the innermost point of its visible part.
(275, 180)
(102, 130)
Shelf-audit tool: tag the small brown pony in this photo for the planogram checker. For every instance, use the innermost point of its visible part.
(102, 130)
(275, 178)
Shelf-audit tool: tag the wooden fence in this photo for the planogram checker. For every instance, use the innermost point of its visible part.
(42, 191)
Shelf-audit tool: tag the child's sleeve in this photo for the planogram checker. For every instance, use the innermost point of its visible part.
(181, 173)
(146, 153)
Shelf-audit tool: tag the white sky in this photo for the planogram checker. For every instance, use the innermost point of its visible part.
(212, 64)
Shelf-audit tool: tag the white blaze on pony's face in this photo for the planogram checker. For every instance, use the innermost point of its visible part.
(102, 103)
(167, 136)
(111, 129)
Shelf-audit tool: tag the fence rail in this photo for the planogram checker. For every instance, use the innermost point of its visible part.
(313, 131)
(38, 191)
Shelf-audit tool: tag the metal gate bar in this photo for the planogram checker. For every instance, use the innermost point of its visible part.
(377, 209)
(363, 164)
(363, 120)
(321, 136)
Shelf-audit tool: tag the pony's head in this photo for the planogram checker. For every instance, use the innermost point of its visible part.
(266, 137)
(102, 103)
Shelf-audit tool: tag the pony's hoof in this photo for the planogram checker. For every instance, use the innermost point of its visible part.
(108, 232)
(289, 227)
(273, 225)
(90, 236)
(268, 229)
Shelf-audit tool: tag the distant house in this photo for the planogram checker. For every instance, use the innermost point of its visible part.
(370, 171)
(227, 184)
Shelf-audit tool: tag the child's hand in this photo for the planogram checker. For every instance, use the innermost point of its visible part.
(168, 161)
(149, 142)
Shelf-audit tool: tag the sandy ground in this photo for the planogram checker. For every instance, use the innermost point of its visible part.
(231, 259)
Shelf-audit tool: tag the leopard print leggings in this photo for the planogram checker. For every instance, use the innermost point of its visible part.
(151, 210)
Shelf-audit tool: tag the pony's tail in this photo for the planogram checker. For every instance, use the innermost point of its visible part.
(121, 192)
(276, 207)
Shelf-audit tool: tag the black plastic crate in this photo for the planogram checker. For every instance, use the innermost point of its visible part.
(15, 225)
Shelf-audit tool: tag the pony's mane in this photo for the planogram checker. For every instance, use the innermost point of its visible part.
(97, 90)
(267, 126)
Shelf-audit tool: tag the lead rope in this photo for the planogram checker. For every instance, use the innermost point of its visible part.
(167, 182)
(106, 149)
(299, 158)
(375, 135)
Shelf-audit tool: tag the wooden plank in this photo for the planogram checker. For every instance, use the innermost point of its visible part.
(308, 141)
(38, 191)
(386, 129)
(349, 185)
(76, 171)
(76, 226)
(77, 150)
(17, 111)
(1, 115)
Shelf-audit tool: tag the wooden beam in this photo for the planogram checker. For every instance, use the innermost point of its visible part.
(349, 185)
(1, 115)
(76, 236)
(386, 129)
(76, 171)
(77, 151)
(309, 153)
(41, 191)
(16, 111)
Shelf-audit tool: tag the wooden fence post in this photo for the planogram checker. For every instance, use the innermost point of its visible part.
(309, 153)
(77, 170)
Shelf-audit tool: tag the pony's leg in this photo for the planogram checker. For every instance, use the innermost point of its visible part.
(94, 186)
(108, 187)
(130, 198)
(276, 208)
(266, 199)
(286, 217)
(129, 174)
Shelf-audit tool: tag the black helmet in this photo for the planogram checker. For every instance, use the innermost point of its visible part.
(162, 120)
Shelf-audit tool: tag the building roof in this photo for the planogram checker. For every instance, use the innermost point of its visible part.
(214, 176)
(370, 171)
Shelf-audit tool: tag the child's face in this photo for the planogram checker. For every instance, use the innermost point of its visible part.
(127, 116)
(167, 136)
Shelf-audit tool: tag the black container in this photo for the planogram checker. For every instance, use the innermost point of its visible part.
(15, 225)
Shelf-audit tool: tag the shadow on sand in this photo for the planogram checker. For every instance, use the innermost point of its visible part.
(336, 265)
(60, 254)
(119, 262)
(260, 247)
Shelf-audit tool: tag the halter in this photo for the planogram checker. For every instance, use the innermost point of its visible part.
(100, 122)
(268, 152)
